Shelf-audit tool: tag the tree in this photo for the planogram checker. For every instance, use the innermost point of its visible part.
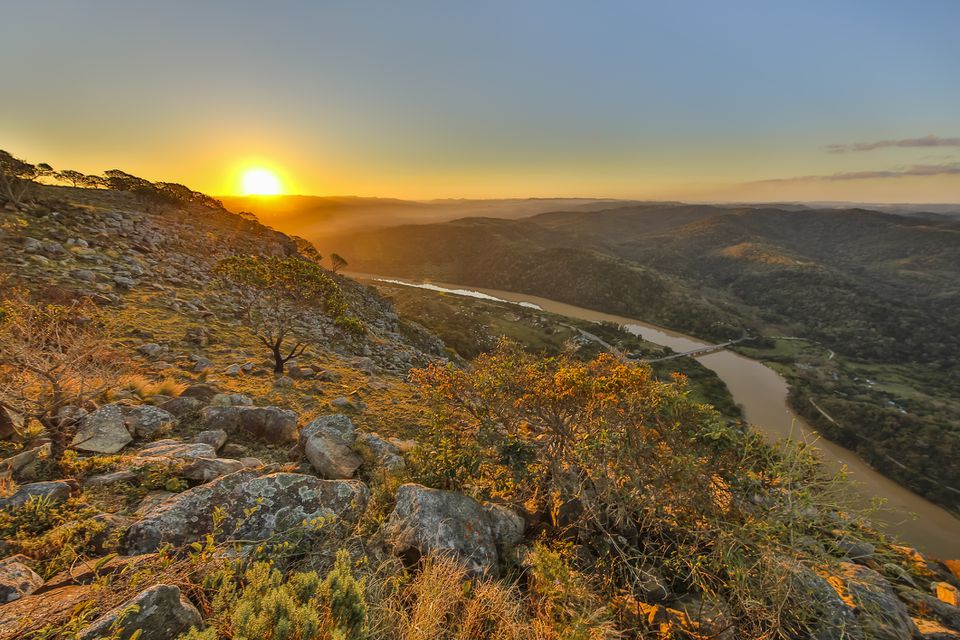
(337, 262)
(53, 357)
(16, 176)
(75, 178)
(278, 295)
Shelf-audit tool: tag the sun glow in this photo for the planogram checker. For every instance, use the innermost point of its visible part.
(261, 182)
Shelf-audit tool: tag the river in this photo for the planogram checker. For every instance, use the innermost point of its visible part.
(762, 393)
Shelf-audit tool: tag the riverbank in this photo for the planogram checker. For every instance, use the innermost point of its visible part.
(762, 393)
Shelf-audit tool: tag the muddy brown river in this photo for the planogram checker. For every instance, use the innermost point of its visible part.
(762, 393)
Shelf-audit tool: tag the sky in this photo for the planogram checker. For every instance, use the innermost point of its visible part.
(737, 100)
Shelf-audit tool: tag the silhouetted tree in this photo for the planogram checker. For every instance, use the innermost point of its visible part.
(278, 296)
(337, 262)
(16, 176)
(75, 178)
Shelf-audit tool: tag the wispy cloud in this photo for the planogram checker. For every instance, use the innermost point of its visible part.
(925, 141)
(952, 168)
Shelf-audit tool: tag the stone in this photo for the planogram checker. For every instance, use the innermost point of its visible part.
(182, 406)
(932, 606)
(271, 424)
(430, 521)
(103, 431)
(386, 453)
(506, 525)
(83, 275)
(207, 469)
(946, 592)
(152, 500)
(881, 615)
(234, 450)
(830, 617)
(231, 400)
(216, 438)
(24, 462)
(11, 423)
(174, 449)
(159, 613)
(254, 508)
(203, 392)
(853, 549)
(17, 579)
(145, 421)
(108, 479)
(31, 612)
(327, 442)
(55, 491)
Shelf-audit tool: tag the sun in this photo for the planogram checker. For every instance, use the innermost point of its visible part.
(261, 182)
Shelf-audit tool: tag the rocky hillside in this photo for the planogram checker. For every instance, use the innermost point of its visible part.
(169, 484)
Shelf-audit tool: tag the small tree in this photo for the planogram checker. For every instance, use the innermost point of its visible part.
(75, 178)
(51, 357)
(16, 176)
(278, 294)
(337, 262)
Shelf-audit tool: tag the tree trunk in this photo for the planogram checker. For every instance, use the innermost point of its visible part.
(277, 359)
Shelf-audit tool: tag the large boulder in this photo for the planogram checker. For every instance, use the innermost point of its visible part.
(327, 444)
(25, 462)
(271, 424)
(55, 491)
(216, 438)
(829, 618)
(159, 613)
(881, 614)
(431, 521)
(17, 579)
(254, 507)
(103, 431)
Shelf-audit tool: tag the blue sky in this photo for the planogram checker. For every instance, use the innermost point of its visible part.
(692, 100)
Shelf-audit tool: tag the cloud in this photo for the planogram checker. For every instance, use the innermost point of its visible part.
(925, 141)
(952, 168)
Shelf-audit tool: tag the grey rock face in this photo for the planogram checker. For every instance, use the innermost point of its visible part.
(327, 444)
(177, 450)
(386, 453)
(107, 479)
(103, 431)
(161, 613)
(145, 420)
(432, 521)
(278, 501)
(271, 424)
(216, 438)
(23, 462)
(207, 469)
(57, 491)
(182, 406)
(506, 525)
(17, 579)
(833, 619)
(202, 391)
(881, 615)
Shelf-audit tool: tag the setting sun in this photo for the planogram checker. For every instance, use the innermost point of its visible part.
(261, 182)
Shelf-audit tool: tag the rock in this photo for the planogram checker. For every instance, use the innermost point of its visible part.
(24, 462)
(327, 442)
(32, 611)
(233, 370)
(177, 450)
(152, 500)
(271, 424)
(427, 521)
(856, 550)
(124, 282)
(881, 615)
(202, 364)
(933, 606)
(152, 349)
(231, 400)
(182, 406)
(145, 421)
(31, 245)
(17, 579)
(55, 491)
(11, 423)
(506, 525)
(203, 392)
(829, 615)
(159, 613)
(709, 615)
(216, 438)
(386, 453)
(254, 507)
(108, 479)
(234, 450)
(283, 382)
(83, 275)
(103, 431)
(207, 469)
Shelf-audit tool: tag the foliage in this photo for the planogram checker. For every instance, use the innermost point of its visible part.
(278, 295)
(52, 357)
(16, 177)
(261, 603)
(635, 473)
